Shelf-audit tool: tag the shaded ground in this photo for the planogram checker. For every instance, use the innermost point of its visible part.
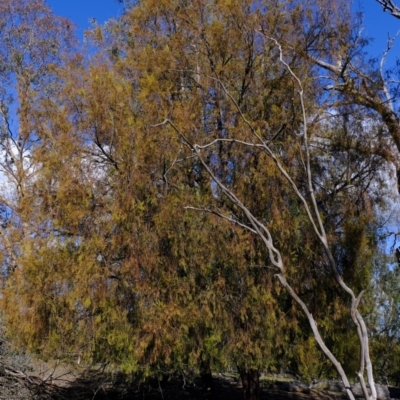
(394, 392)
(224, 389)
(98, 386)
(46, 382)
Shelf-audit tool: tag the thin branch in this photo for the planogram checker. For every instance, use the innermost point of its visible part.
(223, 216)
(358, 320)
(389, 46)
(261, 230)
(318, 337)
(275, 159)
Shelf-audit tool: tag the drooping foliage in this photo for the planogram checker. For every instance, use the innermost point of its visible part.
(120, 248)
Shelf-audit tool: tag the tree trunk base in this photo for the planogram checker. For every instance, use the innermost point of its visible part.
(251, 383)
(207, 380)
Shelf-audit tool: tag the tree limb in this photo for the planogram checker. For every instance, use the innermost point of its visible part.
(388, 5)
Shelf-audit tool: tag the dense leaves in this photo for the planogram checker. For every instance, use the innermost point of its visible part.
(125, 239)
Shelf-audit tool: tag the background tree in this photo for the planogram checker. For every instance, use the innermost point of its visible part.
(26, 60)
(372, 88)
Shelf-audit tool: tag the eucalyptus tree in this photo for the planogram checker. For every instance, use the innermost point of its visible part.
(369, 85)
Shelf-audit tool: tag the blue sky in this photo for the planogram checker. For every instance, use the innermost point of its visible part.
(377, 25)
(81, 11)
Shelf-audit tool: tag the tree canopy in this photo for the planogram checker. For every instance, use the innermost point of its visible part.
(202, 187)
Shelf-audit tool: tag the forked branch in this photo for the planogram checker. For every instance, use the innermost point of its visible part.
(388, 5)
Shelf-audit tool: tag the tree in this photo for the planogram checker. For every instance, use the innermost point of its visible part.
(385, 337)
(26, 61)
(373, 88)
(217, 107)
(83, 287)
(240, 127)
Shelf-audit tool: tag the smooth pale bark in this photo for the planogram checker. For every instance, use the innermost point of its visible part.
(391, 7)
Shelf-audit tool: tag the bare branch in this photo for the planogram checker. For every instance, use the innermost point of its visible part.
(318, 336)
(390, 43)
(388, 5)
(219, 214)
(281, 168)
(321, 231)
(365, 92)
(261, 230)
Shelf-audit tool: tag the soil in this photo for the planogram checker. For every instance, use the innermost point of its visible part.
(25, 379)
(62, 384)
(99, 387)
